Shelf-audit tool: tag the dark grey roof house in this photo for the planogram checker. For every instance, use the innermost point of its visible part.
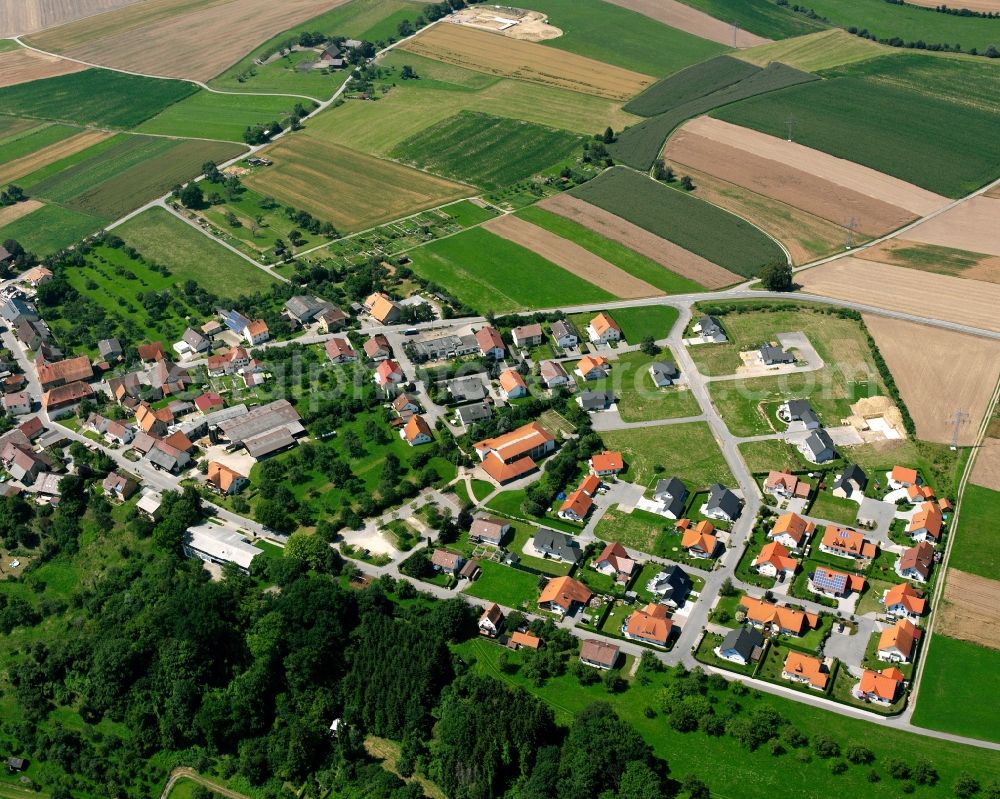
(722, 504)
(595, 400)
(774, 356)
(851, 479)
(710, 328)
(799, 410)
(467, 389)
(304, 308)
(556, 545)
(664, 373)
(673, 494)
(741, 645)
(110, 349)
(671, 586)
(818, 447)
(468, 414)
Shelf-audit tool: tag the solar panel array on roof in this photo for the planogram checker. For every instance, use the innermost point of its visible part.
(829, 581)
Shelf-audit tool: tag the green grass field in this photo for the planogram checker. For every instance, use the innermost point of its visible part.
(487, 151)
(487, 272)
(618, 254)
(94, 97)
(915, 127)
(219, 116)
(33, 139)
(956, 693)
(763, 456)
(834, 509)
(506, 586)
(687, 451)
(976, 548)
(651, 320)
(191, 255)
(762, 17)
(639, 43)
(816, 51)
(704, 229)
(50, 229)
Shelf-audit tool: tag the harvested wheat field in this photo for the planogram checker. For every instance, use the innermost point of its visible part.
(22, 66)
(179, 38)
(847, 174)
(986, 471)
(967, 302)
(676, 259)
(19, 167)
(972, 225)
(971, 609)
(793, 186)
(18, 17)
(816, 51)
(571, 257)
(972, 5)
(806, 237)
(935, 258)
(14, 212)
(499, 55)
(691, 20)
(968, 365)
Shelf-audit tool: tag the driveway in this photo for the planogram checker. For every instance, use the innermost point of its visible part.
(882, 513)
(850, 649)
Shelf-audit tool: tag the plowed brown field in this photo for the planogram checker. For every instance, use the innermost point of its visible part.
(18, 17)
(986, 471)
(21, 66)
(691, 20)
(19, 167)
(925, 359)
(571, 257)
(193, 39)
(971, 609)
(500, 55)
(796, 187)
(665, 252)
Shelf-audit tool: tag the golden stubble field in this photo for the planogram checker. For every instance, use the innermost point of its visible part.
(18, 17)
(22, 66)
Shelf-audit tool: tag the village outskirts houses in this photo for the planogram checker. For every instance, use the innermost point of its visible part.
(228, 362)
(565, 335)
(603, 330)
(512, 385)
(382, 309)
(527, 335)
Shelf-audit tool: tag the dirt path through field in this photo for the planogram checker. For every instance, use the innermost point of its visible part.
(971, 609)
(828, 167)
(796, 187)
(973, 225)
(18, 17)
(14, 212)
(21, 66)
(48, 155)
(691, 20)
(676, 259)
(922, 359)
(571, 257)
(897, 288)
(986, 471)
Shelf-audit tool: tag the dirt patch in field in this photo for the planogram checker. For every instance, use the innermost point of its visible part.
(805, 236)
(924, 359)
(972, 225)
(18, 17)
(515, 23)
(571, 257)
(971, 609)
(986, 471)
(19, 167)
(674, 258)
(838, 171)
(499, 55)
(179, 38)
(14, 212)
(21, 66)
(968, 302)
(691, 20)
(935, 258)
(795, 187)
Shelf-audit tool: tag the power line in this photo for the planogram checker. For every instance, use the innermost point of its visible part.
(852, 225)
(957, 419)
(790, 122)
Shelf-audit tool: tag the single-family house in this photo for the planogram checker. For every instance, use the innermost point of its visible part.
(212, 328)
(672, 495)
(416, 431)
(476, 412)
(192, 342)
(490, 343)
(382, 309)
(903, 477)
(593, 367)
(527, 335)
(150, 353)
(915, 563)
(331, 320)
(846, 543)
(36, 276)
(741, 646)
(564, 334)
(599, 654)
(512, 385)
(404, 405)
(576, 506)
(671, 587)
(606, 464)
(593, 401)
(835, 584)
(852, 481)
(898, 643)
(817, 447)
(339, 350)
(229, 362)
(149, 504)
(710, 330)
(119, 487)
(553, 374)
(208, 402)
(722, 505)
(791, 531)
(378, 348)
(904, 602)
(615, 562)
(774, 356)
(388, 374)
(514, 454)
(31, 428)
(224, 480)
(700, 540)
(488, 530)
(919, 493)
(215, 544)
(925, 524)
(651, 625)
(778, 618)
(603, 329)
(447, 562)
(799, 410)
(17, 404)
(303, 308)
(491, 622)
(882, 687)
(256, 332)
(774, 560)
(520, 640)
(467, 389)
(806, 669)
(110, 349)
(558, 546)
(564, 595)
(785, 485)
(664, 373)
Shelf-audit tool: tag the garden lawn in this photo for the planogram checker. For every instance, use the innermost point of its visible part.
(520, 534)
(688, 451)
(618, 254)
(639, 400)
(976, 548)
(510, 503)
(834, 509)
(466, 213)
(191, 255)
(776, 455)
(489, 273)
(955, 689)
(482, 489)
(220, 116)
(509, 587)
(652, 320)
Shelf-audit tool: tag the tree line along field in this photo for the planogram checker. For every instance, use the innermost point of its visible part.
(703, 229)
(914, 126)
(639, 145)
(489, 273)
(487, 151)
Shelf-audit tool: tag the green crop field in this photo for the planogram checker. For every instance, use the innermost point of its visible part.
(688, 451)
(762, 17)
(31, 180)
(704, 229)
(489, 273)
(914, 126)
(191, 255)
(94, 97)
(485, 150)
(219, 116)
(618, 254)
(639, 43)
(50, 229)
(956, 689)
(816, 51)
(33, 140)
(976, 548)
(639, 145)
(689, 84)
